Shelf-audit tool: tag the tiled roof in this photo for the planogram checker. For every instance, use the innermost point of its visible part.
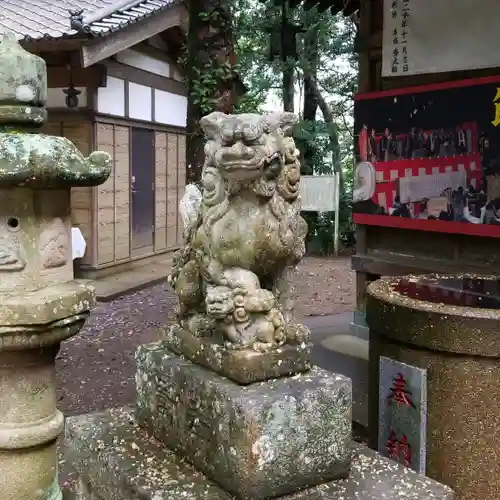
(347, 7)
(52, 19)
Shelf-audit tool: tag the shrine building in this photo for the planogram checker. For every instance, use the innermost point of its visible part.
(114, 85)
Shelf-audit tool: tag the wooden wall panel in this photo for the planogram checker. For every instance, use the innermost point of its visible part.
(122, 193)
(172, 198)
(53, 127)
(103, 213)
(181, 179)
(160, 191)
(79, 134)
(79, 131)
(106, 199)
(82, 197)
(113, 197)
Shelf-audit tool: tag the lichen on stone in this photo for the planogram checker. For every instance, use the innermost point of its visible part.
(243, 235)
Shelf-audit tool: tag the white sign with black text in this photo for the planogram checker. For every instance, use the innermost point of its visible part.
(429, 36)
(318, 193)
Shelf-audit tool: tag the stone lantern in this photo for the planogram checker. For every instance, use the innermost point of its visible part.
(40, 303)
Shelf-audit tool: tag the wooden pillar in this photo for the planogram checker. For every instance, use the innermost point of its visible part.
(365, 12)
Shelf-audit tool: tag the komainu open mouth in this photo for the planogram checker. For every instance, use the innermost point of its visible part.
(232, 166)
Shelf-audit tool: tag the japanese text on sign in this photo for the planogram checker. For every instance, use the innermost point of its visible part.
(399, 450)
(403, 413)
(400, 13)
(399, 393)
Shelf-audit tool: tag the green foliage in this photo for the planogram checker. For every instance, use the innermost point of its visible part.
(209, 74)
(322, 225)
(334, 66)
(317, 136)
(252, 49)
(207, 82)
(211, 16)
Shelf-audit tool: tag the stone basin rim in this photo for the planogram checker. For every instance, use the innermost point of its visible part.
(381, 289)
(456, 330)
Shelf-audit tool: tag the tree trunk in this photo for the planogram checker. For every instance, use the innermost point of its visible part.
(311, 56)
(310, 99)
(327, 113)
(288, 70)
(288, 89)
(209, 68)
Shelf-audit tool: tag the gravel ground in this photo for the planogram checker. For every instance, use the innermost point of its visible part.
(324, 286)
(96, 368)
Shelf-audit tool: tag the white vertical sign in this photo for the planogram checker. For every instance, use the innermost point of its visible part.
(320, 193)
(435, 36)
(396, 37)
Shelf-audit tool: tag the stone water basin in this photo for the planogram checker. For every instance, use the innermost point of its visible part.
(448, 326)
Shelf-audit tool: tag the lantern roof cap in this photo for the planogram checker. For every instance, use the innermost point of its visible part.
(23, 84)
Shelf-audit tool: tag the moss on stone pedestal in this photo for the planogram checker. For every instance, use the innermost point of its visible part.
(259, 441)
(243, 366)
(23, 81)
(43, 161)
(116, 459)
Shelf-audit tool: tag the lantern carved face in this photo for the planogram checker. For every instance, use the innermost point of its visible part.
(35, 247)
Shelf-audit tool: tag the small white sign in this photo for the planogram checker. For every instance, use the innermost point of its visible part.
(318, 193)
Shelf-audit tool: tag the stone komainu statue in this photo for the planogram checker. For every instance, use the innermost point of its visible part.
(243, 234)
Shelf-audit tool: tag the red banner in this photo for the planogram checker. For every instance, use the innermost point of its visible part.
(429, 158)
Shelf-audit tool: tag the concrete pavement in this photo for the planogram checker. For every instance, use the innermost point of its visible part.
(337, 349)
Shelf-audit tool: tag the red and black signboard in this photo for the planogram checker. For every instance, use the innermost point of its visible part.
(429, 158)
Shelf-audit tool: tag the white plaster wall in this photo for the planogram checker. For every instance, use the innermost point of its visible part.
(140, 102)
(56, 98)
(157, 42)
(111, 99)
(144, 62)
(170, 109)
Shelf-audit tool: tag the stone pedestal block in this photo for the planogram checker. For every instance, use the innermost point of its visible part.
(244, 366)
(258, 441)
(116, 459)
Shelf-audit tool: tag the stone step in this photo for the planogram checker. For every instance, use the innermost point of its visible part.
(117, 460)
(348, 345)
(260, 440)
